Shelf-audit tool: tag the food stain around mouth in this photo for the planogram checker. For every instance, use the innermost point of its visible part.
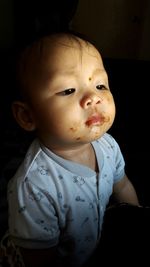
(73, 130)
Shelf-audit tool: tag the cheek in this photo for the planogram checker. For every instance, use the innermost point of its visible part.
(111, 105)
(66, 124)
(62, 122)
(76, 131)
(68, 132)
(70, 125)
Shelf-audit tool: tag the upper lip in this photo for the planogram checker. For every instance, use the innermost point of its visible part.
(94, 119)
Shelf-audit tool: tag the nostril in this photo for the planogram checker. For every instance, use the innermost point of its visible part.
(85, 102)
(88, 103)
(89, 100)
(99, 101)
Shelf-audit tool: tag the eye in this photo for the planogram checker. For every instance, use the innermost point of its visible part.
(101, 87)
(67, 92)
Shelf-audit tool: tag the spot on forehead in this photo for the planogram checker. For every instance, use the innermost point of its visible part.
(90, 78)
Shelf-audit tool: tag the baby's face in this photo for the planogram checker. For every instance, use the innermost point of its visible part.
(75, 106)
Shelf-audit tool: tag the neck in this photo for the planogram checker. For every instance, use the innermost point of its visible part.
(83, 154)
(71, 152)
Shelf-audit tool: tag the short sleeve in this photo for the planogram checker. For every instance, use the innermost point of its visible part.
(33, 222)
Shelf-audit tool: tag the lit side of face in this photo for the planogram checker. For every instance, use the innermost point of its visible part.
(75, 106)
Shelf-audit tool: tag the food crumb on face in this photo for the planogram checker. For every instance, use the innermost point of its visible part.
(73, 129)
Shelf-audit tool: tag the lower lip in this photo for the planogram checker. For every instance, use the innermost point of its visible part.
(94, 121)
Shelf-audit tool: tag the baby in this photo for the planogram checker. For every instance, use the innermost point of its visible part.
(59, 194)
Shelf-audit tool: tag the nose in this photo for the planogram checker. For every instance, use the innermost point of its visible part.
(90, 100)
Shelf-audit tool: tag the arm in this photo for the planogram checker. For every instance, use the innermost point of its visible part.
(124, 191)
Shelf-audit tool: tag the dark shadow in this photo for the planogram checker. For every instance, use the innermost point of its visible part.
(32, 20)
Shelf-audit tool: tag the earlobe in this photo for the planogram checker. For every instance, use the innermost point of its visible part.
(23, 115)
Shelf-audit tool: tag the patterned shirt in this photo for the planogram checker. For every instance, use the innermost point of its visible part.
(54, 201)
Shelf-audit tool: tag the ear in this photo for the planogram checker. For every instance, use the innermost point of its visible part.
(23, 115)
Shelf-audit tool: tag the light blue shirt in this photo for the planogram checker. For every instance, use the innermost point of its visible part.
(55, 201)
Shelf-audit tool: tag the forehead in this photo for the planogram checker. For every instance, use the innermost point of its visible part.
(51, 47)
(46, 55)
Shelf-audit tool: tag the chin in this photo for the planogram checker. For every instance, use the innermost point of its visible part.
(89, 138)
(96, 134)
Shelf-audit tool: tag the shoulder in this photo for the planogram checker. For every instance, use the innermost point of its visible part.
(35, 170)
(108, 141)
(110, 148)
(28, 161)
(113, 155)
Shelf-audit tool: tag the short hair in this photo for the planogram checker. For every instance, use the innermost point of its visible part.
(29, 59)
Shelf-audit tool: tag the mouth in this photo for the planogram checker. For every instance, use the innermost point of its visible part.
(95, 120)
